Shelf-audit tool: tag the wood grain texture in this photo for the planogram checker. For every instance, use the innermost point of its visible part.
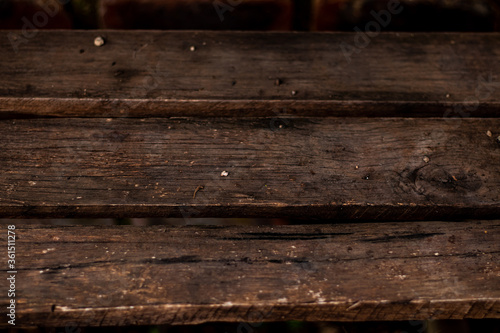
(108, 275)
(341, 168)
(150, 73)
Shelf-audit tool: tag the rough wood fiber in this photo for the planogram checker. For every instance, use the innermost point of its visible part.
(101, 276)
(342, 168)
(161, 74)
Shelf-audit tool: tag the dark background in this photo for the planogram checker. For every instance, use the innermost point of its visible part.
(264, 15)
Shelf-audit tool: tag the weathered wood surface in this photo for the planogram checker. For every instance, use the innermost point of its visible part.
(162, 74)
(343, 168)
(101, 276)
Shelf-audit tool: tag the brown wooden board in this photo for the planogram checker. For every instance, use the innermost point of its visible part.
(341, 168)
(162, 74)
(110, 275)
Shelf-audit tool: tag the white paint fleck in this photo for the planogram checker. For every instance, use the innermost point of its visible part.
(224, 173)
(99, 41)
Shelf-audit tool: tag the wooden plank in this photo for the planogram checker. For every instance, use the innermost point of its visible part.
(162, 74)
(108, 275)
(342, 168)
